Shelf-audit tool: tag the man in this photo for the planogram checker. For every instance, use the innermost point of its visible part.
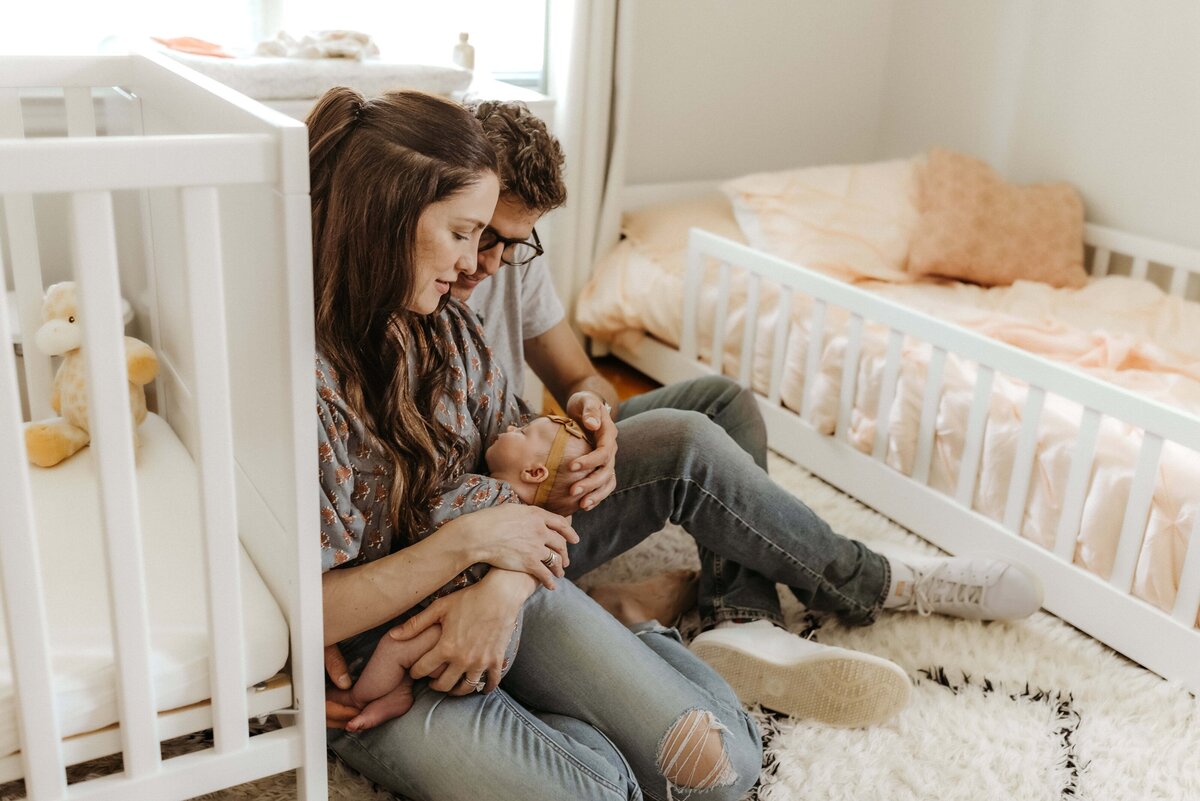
(745, 637)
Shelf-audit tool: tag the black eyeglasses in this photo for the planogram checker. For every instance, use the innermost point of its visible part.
(517, 252)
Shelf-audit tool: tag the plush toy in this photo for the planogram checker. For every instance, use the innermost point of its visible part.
(49, 441)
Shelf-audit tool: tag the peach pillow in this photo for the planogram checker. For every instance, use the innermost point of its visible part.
(661, 231)
(851, 221)
(976, 227)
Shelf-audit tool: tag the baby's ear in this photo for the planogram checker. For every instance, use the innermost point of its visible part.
(536, 474)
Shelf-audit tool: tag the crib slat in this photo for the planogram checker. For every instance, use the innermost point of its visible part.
(1018, 485)
(1179, 281)
(24, 599)
(95, 252)
(1075, 492)
(812, 361)
(927, 433)
(849, 375)
(887, 393)
(21, 236)
(1100, 261)
(205, 286)
(81, 114)
(21, 233)
(691, 301)
(718, 347)
(1187, 600)
(1137, 510)
(1139, 269)
(973, 440)
(783, 325)
(750, 331)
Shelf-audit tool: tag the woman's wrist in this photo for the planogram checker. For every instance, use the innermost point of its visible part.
(517, 585)
(463, 542)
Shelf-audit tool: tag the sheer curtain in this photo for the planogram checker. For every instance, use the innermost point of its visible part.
(584, 70)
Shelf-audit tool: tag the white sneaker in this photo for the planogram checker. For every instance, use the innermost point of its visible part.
(973, 587)
(766, 665)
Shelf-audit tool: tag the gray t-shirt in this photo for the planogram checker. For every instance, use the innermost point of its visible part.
(516, 304)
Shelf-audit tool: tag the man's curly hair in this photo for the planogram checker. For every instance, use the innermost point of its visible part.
(531, 160)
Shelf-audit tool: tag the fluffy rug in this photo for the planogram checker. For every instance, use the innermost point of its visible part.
(1034, 710)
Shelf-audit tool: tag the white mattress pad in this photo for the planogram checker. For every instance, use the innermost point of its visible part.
(69, 535)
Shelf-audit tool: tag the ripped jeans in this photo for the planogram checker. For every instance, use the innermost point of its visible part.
(589, 710)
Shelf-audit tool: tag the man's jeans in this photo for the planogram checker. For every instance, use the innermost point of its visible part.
(581, 714)
(694, 454)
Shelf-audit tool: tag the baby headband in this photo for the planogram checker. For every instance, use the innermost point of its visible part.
(567, 428)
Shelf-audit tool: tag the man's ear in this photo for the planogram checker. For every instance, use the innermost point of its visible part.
(536, 474)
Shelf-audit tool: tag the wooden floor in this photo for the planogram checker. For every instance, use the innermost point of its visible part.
(627, 381)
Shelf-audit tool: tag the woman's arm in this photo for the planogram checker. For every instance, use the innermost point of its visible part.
(510, 536)
(359, 598)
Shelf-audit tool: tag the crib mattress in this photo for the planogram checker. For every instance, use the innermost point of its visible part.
(67, 516)
(1124, 331)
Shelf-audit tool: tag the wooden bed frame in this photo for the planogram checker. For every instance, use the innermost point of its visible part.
(1167, 643)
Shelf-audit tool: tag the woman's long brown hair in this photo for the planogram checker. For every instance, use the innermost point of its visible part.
(375, 165)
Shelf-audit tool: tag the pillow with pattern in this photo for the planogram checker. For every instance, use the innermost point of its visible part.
(974, 226)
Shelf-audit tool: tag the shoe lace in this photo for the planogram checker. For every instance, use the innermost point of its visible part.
(932, 592)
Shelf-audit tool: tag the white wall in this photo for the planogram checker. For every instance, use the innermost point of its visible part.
(725, 88)
(1104, 94)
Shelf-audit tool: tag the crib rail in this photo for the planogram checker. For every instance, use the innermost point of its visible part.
(183, 175)
(1166, 642)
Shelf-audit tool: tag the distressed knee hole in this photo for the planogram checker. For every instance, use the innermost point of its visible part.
(692, 755)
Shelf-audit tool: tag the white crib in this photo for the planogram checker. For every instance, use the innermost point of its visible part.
(192, 202)
(1167, 643)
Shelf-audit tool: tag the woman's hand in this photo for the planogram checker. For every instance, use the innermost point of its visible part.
(591, 412)
(477, 624)
(519, 538)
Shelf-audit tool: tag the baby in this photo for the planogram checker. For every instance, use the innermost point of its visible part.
(535, 459)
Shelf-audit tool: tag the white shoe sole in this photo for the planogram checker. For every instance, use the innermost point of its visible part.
(838, 687)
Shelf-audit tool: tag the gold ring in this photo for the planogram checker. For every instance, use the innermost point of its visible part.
(550, 560)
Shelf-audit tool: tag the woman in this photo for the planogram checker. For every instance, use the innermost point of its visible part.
(402, 186)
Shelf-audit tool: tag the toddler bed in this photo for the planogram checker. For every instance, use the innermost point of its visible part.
(173, 588)
(1056, 426)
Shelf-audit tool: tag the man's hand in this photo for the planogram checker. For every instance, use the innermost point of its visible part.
(591, 412)
(477, 624)
(337, 715)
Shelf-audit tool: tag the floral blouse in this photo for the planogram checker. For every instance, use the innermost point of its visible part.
(356, 478)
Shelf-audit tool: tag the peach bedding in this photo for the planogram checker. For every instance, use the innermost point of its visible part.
(1124, 331)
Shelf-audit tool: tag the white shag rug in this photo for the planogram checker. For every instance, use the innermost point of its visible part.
(1011, 712)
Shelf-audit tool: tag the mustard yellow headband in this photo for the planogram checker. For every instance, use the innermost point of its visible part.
(567, 428)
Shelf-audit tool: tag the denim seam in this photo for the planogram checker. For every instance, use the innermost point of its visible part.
(522, 714)
(354, 740)
(734, 612)
(858, 607)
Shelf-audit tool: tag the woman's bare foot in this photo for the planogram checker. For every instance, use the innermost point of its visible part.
(664, 597)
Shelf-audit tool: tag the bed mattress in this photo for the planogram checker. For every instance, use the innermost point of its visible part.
(67, 515)
(1122, 330)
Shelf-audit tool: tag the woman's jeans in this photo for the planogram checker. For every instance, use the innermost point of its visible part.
(582, 714)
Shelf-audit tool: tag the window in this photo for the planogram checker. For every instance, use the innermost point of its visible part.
(509, 37)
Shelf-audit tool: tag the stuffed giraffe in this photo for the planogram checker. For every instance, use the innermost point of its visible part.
(49, 441)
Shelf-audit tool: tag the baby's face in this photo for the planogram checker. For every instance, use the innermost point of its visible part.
(520, 448)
